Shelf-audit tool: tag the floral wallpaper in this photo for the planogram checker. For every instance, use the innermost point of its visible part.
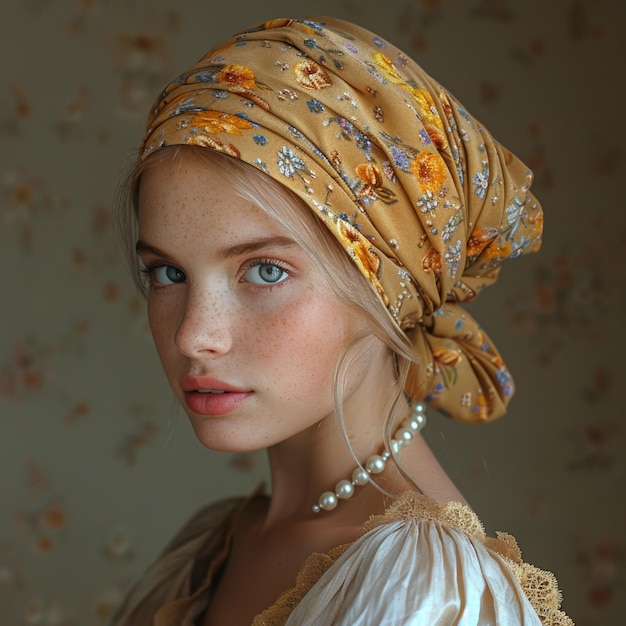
(97, 466)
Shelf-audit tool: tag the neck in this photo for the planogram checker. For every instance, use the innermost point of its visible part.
(305, 466)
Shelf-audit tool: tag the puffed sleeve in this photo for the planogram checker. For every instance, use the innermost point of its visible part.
(411, 573)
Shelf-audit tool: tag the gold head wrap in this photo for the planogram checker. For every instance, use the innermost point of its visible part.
(423, 199)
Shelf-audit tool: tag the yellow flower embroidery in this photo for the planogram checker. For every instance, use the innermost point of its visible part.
(364, 257)
(311, 75)
(235, 74)
(214, 122)
(215, 144)
(430, 116)
(428, 111)
(277, 23)
(430, 170)
(496, 251)
(479, 240)
(446, 361)
(370, 174)
(446, 356)
(432, 262)
(372, 179)
(388, 68)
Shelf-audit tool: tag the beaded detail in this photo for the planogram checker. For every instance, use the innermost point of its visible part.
(375, 464)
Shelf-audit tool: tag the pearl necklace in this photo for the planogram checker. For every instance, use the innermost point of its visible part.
(375, 464)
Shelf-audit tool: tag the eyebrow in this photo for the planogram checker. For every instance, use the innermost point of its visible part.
(245, 247)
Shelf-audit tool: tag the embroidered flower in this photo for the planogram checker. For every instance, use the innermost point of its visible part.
(389, 172)
(363, 255)
(277, 23)
(446, 360)
(370, 174)
(235, 74)
(311, 75)
(261, 165)
(479, 240)
(388, 68)
(447, 356)
(453, 259)
(424, 136)
(288, 163)
(315, 106)
(481, 181)
(432, 262)
(430, 170)
(368, 185)
(379, 42)
(427, 203)
(429, 116)
(214, 122)
(202, 139)
(450, 226)
(400, 158)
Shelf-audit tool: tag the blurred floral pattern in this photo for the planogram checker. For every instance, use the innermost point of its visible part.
(98, 468)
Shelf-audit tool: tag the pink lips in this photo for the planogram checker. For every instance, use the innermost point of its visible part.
(209, 396)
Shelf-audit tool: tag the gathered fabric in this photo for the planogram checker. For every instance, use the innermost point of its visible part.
(420, 562)
(423, 199)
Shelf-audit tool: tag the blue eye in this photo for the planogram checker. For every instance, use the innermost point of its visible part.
(266, 274)
(168, 275)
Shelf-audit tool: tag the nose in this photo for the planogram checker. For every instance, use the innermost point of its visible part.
(205, 328)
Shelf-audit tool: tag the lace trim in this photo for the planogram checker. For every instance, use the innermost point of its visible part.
(310, 572)
(539, 586)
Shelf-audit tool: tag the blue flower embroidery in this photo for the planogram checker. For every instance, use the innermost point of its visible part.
(379, 42)
(288, 163)
(481, 180)
(400, 158)
(424, 136)
(261, 165)
(315, 106)
(205, 77)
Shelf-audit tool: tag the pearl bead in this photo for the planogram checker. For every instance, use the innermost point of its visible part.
(375, 464)
(360, 477)
(328, 501)
(344, 489)
(404, 434)
(411, 424)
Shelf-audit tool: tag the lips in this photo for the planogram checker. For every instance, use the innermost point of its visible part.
(210, 396)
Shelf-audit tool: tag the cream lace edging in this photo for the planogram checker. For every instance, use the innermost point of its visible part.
(539, 586)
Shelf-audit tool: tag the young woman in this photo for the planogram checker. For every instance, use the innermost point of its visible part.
(308, 211)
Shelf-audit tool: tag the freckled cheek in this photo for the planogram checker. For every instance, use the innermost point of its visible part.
(301, 346)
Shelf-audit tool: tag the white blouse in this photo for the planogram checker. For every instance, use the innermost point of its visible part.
(421, 563)
(410, 573)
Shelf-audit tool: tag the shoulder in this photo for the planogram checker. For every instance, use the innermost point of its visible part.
(424, 562)
(172, 575)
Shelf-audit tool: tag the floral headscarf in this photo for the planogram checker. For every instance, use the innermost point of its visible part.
(423, 199)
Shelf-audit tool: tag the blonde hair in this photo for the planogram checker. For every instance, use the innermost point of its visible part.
(335, 267)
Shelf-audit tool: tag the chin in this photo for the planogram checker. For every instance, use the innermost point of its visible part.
(223, 438)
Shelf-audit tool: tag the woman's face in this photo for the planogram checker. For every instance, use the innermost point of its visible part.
(247, 332)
